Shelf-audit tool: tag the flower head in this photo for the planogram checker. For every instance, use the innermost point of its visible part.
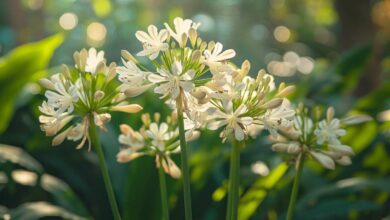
(316, 138)
(154, 138)
(78, 97)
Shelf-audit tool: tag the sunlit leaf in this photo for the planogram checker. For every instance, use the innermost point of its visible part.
(347, 186)
(18, 156)
(258, 191)
(22, 65)
(37, 210)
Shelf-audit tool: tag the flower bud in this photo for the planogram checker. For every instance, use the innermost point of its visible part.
(57, 140)
(330, 114)
(286, 91)
(65, 71)
(127, 155)
(133, 91)
(192, 35)
(344, 160)
(47, 84)
(125, 54)
(133, 108)
(146, 119)
(356, 119)
(99, 95)
(273, 103)
(324, 160)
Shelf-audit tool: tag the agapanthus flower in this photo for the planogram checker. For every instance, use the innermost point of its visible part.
(153, 42)
(182, 29)
(75, 96)
(180, 68)
(317, 138)
(244, 105)
(154, 138)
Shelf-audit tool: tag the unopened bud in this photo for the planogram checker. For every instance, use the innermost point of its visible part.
(286, 91)
(330, 114)
(133, 108)
(274, 103)
(99, 95)
(47, 84)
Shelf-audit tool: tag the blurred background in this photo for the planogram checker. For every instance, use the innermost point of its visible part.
(336, 52)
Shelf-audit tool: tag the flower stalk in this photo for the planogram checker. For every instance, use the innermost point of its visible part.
(294, 192)
(103, 168)
(184, 159)
(234, 182)
(163, 191)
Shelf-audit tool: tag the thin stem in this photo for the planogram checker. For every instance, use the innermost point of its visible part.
(234, 182)
(184, 160)
(163, 191)
(295, 188)
(103, 168)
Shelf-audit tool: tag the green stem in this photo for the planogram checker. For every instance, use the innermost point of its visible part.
(295, 188)
(103, 168)
(184, 160)
(234, 182)
(163, 191)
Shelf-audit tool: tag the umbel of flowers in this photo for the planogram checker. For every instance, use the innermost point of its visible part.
(81, 98)
(314, 136)
(181, 61)
(196, 80)
(156, 139)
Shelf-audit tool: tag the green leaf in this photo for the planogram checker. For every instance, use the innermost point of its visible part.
(62, 194)
(37, 210)
(351, 65)
(258, 192)
(18, 156)
(331, 209)
(22, 65)
(347, 186)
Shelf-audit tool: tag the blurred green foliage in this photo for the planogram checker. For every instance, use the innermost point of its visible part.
(351, 72)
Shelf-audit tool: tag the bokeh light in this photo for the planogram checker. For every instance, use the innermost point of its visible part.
(68, 21)
(282, 34)
(96, 33)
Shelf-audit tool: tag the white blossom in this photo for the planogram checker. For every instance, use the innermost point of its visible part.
(153, 42)
(170, 83)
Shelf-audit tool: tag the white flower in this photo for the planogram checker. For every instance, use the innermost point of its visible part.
(216, 55)
(182, 28)
(93, 60)
(277, 118)
(329, 132)
(233, 120)
(171, 82)
(62, 99)
(159, 134)
(130, 74)
(153, 41)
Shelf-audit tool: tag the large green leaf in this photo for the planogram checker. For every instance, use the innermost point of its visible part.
(347, 186)
(62, 194)
(17, 156)
(22, 65)
(37, 210)
(258, 192)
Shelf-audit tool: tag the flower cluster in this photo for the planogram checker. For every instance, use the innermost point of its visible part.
(154, 138)
(227, 96)
(78, 95)
(318, 138)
